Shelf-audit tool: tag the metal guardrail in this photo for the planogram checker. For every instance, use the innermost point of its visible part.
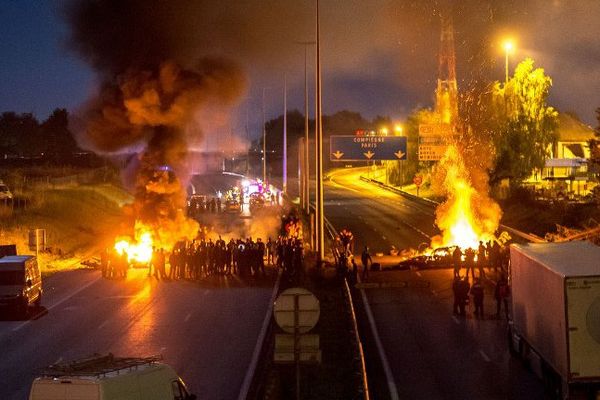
(361, 353)
(527, 236)
(365, 383)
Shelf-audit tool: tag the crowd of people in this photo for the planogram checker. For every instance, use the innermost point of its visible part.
(461, 289)
(198, 259)
(490, 255)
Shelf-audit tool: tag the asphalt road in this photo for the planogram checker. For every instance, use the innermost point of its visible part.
(432, 354)
(207, 331)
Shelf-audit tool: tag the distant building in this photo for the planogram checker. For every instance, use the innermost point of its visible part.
(566, 171)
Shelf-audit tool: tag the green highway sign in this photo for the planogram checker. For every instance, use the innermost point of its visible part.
(367, 148)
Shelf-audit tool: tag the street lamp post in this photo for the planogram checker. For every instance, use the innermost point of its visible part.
(319, 148)
(285, 134)
(248, 135)
(264, 146)
(306, 164)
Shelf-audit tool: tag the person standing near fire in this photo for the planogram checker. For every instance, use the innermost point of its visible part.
(463, 295)
(495, 259)
(366, 260)
(456, 293)
(104, 260)
(270, 247)
(470, 262)
(501, 294)
(153, 262)
(477, 293)
(457, 261)
(481, 259)
(260, 255)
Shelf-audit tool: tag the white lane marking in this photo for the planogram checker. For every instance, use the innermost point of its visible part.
(187, 317)
(419, 274)
(456, 320)
(384, 361)
(59, 359)
(384, 238)
(416, 229)
(102, 325)
(259, 343)
(58, 303)
(484, 356)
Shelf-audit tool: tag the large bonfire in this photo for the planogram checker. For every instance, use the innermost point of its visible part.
(468, 215)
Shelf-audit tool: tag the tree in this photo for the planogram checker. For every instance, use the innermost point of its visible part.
(59, 141)
(19, 134)
(527, 123)
(344, 123)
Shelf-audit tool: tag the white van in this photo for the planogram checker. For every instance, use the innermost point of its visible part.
(20, 283)
(110, 378)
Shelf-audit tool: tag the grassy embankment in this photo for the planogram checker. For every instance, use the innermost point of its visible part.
(78, 219)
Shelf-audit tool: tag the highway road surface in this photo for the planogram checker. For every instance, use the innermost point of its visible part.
(431, 353)
(207, 331)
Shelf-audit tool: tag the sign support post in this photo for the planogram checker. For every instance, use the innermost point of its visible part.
(296, 311)
(296, 343)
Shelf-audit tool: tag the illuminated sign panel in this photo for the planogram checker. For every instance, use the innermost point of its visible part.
(367, 148)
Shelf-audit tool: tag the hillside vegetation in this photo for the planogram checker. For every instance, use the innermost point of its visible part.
(78, 219)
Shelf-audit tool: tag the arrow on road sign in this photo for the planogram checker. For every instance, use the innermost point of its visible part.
(367, 148)
(338, 154)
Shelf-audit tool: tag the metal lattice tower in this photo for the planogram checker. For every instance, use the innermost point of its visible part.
(446, 93)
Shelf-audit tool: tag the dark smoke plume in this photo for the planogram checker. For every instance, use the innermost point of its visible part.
(152, 84)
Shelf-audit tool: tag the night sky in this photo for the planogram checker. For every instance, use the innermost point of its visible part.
(379, 56)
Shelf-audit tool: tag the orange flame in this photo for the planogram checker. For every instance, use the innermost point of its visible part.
(138, 249)
(468, 215)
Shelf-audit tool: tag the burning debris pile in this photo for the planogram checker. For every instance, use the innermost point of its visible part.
(147, 102)
(468, 215)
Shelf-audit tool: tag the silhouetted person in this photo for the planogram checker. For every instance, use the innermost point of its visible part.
(457, 261)
(366, 260)
(501, 294)
(477, 293)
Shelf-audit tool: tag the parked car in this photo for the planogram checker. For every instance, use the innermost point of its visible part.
(233, 206)
(257, 201)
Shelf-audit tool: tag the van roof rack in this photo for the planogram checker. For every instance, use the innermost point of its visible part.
(98, 364)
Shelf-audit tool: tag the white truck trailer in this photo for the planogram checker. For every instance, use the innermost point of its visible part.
(555, 325)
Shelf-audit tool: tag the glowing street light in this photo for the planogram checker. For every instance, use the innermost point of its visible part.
(384, 131)
(398, 129)
(508, 48)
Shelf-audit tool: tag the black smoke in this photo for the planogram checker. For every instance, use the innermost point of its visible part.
(153, 81)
